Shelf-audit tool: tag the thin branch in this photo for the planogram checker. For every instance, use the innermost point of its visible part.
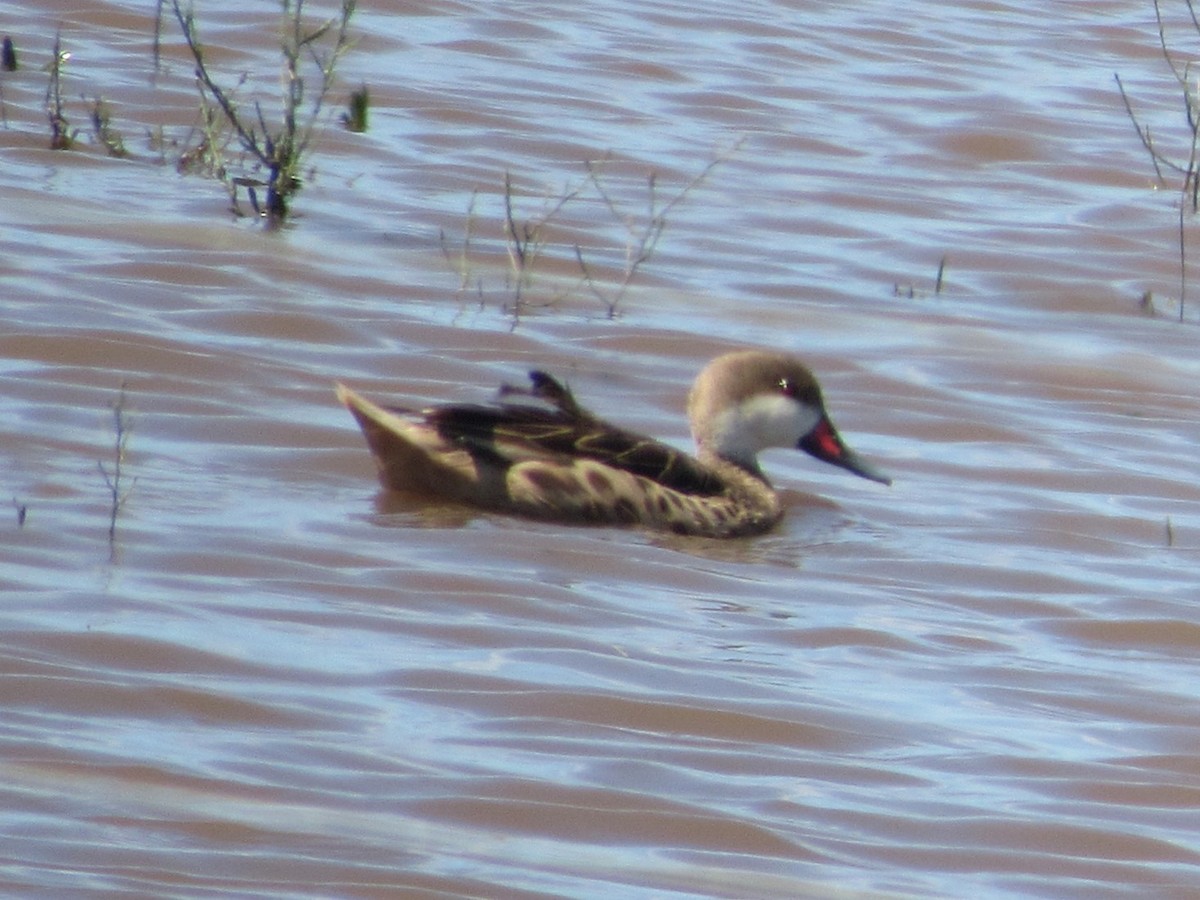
(1162, 43)
(249, 140)
(328, 65)
(524, 242)
(1182, 258)
(643, 240)
(609, 303)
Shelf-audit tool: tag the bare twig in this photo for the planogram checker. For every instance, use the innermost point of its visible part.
(525, 241)
(643, 234)
(461, 261)
(158, 19)
(1143, 133)
(118, 494)
(525, 238)
(249, 140)
(1183, 250)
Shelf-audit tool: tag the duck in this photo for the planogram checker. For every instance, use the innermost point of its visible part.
(543, 456)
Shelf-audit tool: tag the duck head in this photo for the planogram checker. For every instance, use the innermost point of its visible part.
(745, 402)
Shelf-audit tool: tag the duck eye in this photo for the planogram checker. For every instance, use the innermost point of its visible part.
(785, 386)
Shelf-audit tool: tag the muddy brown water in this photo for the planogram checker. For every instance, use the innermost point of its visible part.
(277, 682)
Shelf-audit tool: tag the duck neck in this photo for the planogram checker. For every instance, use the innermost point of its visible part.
(724, 462)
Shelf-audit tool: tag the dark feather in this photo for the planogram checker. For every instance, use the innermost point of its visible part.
(569, 431)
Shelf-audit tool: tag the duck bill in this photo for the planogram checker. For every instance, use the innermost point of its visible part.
(824, 443)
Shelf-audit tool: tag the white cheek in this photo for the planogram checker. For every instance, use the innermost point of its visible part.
(768, 420)
(777, 420)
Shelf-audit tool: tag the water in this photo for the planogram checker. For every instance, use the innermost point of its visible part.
(276, 681)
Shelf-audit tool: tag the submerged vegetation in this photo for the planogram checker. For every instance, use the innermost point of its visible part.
(1184, 170)
(259, 146)
(278, 149)
(545, 235)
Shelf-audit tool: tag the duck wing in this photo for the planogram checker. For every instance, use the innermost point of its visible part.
(513, 432)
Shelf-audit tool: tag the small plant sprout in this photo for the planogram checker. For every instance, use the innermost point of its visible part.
(104, 133)
(355, 118)
(114, 478)
(910, 292)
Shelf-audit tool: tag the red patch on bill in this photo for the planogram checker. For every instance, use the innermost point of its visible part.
(827, 440)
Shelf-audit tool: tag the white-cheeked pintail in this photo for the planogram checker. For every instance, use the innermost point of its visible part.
(555, 460)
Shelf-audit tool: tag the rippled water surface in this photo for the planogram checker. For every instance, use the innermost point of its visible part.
(276, 681)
